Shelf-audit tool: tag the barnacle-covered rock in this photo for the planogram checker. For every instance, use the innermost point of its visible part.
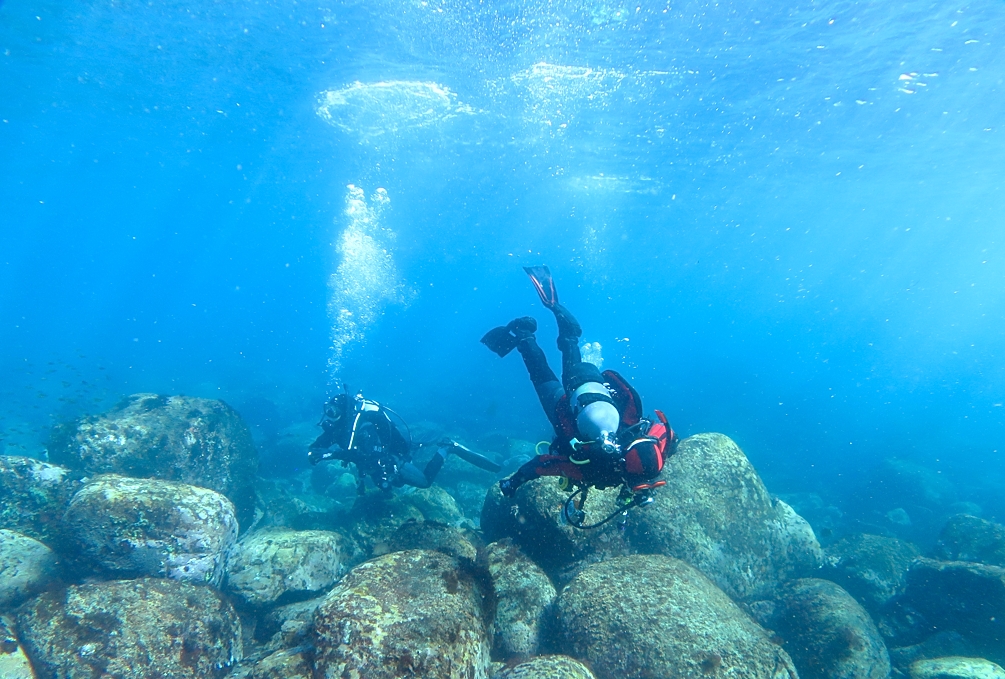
(827, 633)
(716, 514)
(26, 567)
(34, 495)
(533, 519)
(956, 668)
(199, 441)
(13, 662)
(969, 538)
(412, 613)
(269, 564)
(132, 527)
(872, 568)
(131, 629)
(638, 617)
(547, 667)
(523, 595)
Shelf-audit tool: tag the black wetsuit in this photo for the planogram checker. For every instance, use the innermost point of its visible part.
(377, 448)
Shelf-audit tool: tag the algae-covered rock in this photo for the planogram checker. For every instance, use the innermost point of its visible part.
(131, 629)
(548, 667)
(638, 617)
(533, 519)
(435, 504)
(872, 568)
(969, 538)
(523, 596)
(962, 596)
(940, 645)
(413, 613)
(434, 536)
(269, 564)
(26, 567)
(174, 438)
(827, 633)
(13, 662)
(34, 495)
(716, 514)
(374, 518)
(292, 663)
(956, 668)
(131, 527)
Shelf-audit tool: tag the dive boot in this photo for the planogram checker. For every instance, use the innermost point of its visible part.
(504, 339)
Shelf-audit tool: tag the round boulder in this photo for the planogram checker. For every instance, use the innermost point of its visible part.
(523, 595)
(26, 567)
(716, 514)
(286, 664)
(435, 536)
(956, 668)
(533, 519)
(872, 568)
(135, 527)
(131, 629)
(270, 564)
(34, 495)
(970, 538)
(548, 667)
(412, 613)
(13, 662)
(638, 617)
(827, 633)
(174, 438)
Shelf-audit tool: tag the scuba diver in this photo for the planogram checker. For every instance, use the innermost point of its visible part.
(602, 440)
(361, 432)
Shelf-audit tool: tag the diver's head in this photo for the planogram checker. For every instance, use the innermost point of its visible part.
(335, 413)
(597, 418)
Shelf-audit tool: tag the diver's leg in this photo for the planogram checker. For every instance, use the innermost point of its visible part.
(549, 389)
(569, 332)
(409, 474)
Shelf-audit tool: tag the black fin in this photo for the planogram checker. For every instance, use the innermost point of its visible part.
(540, 276)
(500, 340)
(473, 458)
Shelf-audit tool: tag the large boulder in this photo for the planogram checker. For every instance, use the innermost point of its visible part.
(716, 514)
(288, 625)
(130, 527)
(277, 563)
(956, 668)
(827, 633)
(524, 595)
(34, 495)
(638, 617)
(131, 629)
(547, 667)
(960, 596)
(412, 613)
(174, 438)
(969, 538)
(438, 537)
(872, 568)
(26, 567)
(533, 519)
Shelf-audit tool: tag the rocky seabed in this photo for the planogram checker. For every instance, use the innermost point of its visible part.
(153, 550)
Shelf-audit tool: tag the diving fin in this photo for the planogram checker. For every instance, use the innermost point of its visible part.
(540, 276)
(473, 458)
(500, 340)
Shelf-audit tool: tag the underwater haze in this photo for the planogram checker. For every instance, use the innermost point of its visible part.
(782, 221)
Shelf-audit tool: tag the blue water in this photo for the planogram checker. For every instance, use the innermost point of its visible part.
(783, 221)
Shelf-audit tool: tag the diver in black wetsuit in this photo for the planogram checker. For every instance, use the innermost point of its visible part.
(361, 432)
(602, 438)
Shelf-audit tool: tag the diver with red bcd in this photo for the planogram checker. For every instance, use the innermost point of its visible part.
(602, 439)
